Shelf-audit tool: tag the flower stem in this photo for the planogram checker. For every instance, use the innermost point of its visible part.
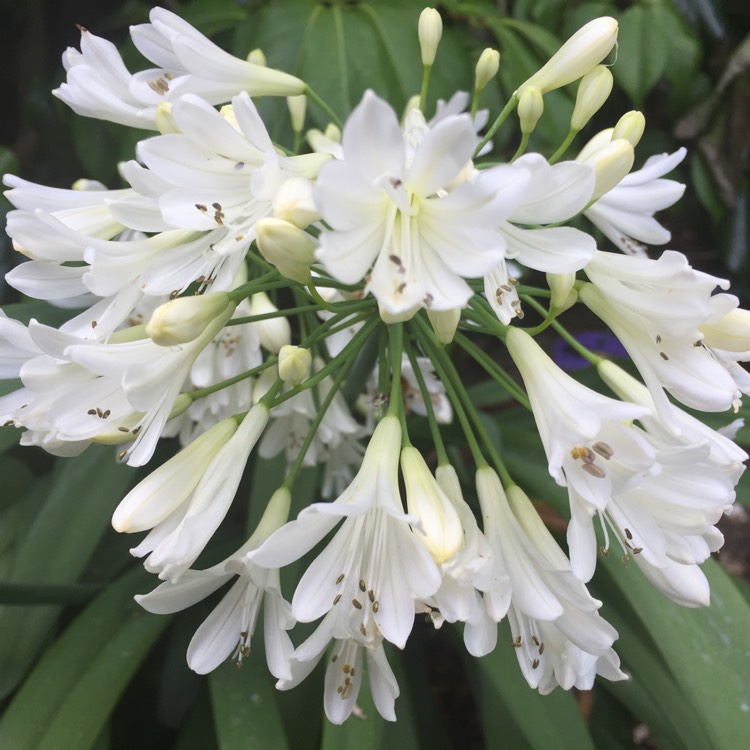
(313, 97)
(437, 438)
(501, 118)
(563, 146)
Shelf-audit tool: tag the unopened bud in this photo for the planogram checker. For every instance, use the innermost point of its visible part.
(630, 127)
(593, 90)
(297, 108)
(487, 67)
(441, 529)
(274, 333)
(530, 108)
(611, 163)
(430, 30)
(290, 249)
(257, 57)
(444, 323)
(295, 364)
(293, 202)
(186, 318)
(585, 49)
(165, 123)
(564, 296)
(730, 333)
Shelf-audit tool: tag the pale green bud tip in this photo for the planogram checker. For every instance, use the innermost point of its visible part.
(440, 526)
(257, 57)
(297, 108)
(274, 516)
(290, 249)
(165, 123)
(295, 364)
(593, 91)
(444, 323)
(293, 202)
(630, 127)
(563, 294)
(530, 108)
(430, 30)
(611, 164)
(487, 67)
(585, 49)
(184, 319)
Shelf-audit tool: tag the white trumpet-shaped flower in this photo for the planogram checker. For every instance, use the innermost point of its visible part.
(371, 573)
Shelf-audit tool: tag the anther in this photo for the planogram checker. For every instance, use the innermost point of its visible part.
(594, 470)
(603, 450)
(356, 604)
(339, 579)
(336, 599)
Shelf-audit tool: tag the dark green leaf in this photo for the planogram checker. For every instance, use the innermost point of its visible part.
(246, 715)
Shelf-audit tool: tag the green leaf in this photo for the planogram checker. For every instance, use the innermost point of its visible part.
(246, 714)
(550, 721)
(706, 650)
(68, 697)
(644, 50)
(56, 549)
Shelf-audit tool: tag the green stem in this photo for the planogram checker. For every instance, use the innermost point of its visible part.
(493, 369)
(437, 438)
(353, 346)
(453, 386)
(521, 146)
(427, 69)
(313, 97)
(251, 287)
(321, 410)
(501, 118)
(580, 348)
(396, 400)
(563, 146)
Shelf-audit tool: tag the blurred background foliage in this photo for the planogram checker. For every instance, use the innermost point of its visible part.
(82, 667)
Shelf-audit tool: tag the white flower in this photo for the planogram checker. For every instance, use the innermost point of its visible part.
(558, 635)
(229, 629)
(99, 85)
(375, 568)
(656, 308)
(344, 671)
(391, 203)
(580, 53)
(175, 542)
(625, 214)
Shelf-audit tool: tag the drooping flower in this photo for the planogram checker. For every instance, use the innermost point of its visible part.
(375, 567)
(229, 629)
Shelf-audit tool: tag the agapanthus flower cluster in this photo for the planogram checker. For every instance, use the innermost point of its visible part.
(255, 300)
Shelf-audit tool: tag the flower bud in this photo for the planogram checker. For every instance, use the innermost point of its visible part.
(293, 202)
(441, 529)
(585, 49)
(564, 296)
(593, 91)
(185, 318)
(430, 30)
(290, 249)
(487, 67)
(274, 332)
(165, 123)
(297, 106)
(168, 486)
(611, 163)
(730, 333)
(257, 57)
(530, 108)
(274, 517)
(444, 323)
(295, 364)
(630, 127)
